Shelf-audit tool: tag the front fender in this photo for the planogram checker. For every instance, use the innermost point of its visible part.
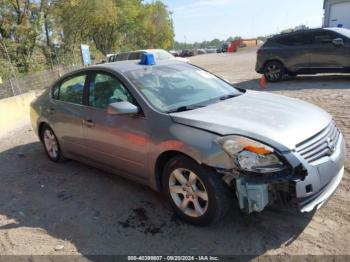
(196, 143)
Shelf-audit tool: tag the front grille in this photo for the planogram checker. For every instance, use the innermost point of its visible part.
(320, 145)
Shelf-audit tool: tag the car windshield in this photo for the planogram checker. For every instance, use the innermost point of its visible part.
(171, 87)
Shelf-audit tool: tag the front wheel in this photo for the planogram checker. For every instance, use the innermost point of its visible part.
(274, 71)
(197, 194)
(51, 145)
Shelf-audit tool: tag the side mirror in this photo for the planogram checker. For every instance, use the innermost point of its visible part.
(338, 42)
(122, 108)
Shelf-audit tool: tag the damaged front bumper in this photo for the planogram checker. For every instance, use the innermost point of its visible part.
(311, 192)
(323, 178)
(317, 200)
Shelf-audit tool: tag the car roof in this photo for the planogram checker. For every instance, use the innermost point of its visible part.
(119, 67)
(130, 65)
(297, 32)
(340, 30)
(334, 29)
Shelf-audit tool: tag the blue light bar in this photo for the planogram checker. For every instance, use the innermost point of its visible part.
(147, 59)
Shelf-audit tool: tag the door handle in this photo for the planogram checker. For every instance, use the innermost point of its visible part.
(51, 110)
(88, 123)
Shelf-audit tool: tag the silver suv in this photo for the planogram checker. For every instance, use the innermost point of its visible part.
(305, 52)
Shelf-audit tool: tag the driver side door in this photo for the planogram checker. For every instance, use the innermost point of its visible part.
(116, 141)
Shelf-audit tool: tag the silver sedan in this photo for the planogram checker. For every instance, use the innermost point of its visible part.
(185, 132)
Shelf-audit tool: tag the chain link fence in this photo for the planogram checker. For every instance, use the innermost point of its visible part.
(33, 81)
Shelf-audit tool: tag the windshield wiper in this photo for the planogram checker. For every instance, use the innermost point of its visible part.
(185, 108)
(225, 97)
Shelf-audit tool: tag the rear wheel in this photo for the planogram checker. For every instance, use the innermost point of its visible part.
(197, 194)
(274, 71)
(51, 145)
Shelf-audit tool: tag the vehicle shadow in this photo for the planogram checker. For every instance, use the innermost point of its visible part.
(102, 214)
(302, 82)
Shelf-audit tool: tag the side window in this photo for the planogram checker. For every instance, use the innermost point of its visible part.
(122, 57)
(303, 39)
(295, 40)
(323, 37)
(135, 56)
(284, 40)
(111, 58)
(105, 89)
(72, 90)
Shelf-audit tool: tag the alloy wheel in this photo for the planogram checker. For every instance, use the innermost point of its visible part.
(188, 192)
(51, 144)
(273, 72)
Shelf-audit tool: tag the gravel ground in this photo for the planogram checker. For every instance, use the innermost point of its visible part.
(70, 208)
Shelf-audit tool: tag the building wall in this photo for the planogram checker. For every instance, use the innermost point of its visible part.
(14, 112)
(250, 42)
(327, 10)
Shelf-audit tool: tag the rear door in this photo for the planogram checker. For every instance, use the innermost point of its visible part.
(116, 141)
(324, 54)
(295, 50)
(66, 112)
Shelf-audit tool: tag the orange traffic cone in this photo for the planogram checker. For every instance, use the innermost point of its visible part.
(262, 82)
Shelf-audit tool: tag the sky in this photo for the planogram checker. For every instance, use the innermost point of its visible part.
(199, 20)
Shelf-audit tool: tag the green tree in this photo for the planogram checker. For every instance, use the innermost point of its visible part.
(158, 26)
(20, 25)
(39, 34)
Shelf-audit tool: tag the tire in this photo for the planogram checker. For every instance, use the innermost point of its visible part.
(274, 71)
(51, 146)
(203, 198)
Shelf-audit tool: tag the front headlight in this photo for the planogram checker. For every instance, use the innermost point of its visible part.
(251, 155)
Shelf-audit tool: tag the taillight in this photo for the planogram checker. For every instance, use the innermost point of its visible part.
(258, 52)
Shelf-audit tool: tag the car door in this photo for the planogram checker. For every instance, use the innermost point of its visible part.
(116, 141)
(324, 54)
(294, 50)
(66, 112)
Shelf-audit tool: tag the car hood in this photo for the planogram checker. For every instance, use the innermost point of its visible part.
(283, 120)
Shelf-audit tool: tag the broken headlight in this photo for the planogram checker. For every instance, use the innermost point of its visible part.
(250, 155)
